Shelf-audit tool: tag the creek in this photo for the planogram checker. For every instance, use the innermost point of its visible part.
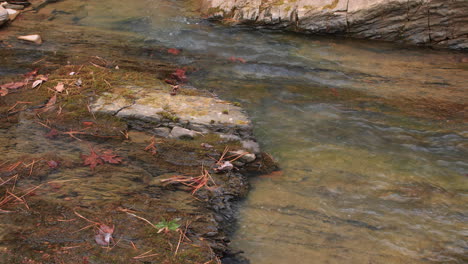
(371, 137)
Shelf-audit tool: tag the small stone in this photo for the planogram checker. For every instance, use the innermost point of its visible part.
(226, 166)
(206, 145)
(251, 145)
(164, 132)
(182, 133)
(246, 157)
(32, 38)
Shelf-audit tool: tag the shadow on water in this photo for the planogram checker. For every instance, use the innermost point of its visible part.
(370, 136)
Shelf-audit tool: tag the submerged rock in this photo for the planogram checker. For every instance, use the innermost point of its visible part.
(429, 22)
(157, 108)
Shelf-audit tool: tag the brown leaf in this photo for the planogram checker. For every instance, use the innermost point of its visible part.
(3, 92)
(49, 104)
(111, 158)
(53, 133)
(60, 87)
(31, 75)
(92, 160)
(13, 85)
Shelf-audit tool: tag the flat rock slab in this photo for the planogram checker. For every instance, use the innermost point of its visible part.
(151, 108)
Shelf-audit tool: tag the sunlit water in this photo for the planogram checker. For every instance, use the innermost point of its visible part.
(370, 137)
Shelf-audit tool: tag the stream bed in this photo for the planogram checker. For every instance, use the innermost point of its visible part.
(371, 137)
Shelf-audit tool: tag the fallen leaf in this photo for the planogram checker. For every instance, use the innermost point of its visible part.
(50, 104)
(36, 83)
(179, 75)
(110, 157)
(13, 85)
(173, 51)
(104, 235)
(60, 87)
(92, 160)
(87, 123)
(30, 75)
(3, 92)
(53, 133)
(52, 164)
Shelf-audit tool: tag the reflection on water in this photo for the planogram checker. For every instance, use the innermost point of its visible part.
(370, 136)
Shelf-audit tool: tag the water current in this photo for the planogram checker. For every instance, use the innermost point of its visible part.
(371, 137)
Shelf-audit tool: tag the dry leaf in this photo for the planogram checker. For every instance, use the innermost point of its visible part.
(60, 87)
(13, 85)
(36, 83)
(3, 92)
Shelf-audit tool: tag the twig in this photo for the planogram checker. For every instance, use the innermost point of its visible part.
(141, 218)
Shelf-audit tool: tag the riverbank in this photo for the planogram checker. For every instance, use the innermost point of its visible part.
(98, 169)
(435, 23)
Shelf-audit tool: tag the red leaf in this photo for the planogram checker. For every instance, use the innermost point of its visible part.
(13, 85)
(234, 59)
(92, 160)
(31, 75)
(173, 51)
(52, 133)
(52, 164)
(87, 123)
(179, 75)
(111, 158)
(170, 81)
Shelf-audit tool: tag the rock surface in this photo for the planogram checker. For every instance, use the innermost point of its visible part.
(424, 22)
(155, 108)
(3, 15)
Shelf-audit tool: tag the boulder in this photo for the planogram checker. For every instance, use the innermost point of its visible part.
(425, 22)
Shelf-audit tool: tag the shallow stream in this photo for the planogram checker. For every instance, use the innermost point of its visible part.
(371, 137)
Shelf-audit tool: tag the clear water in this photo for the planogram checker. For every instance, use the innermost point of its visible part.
(371, 137)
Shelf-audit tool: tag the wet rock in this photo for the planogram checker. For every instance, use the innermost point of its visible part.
(246, 157)
(3, 15)
(251, 145)
(15, 7)
(182, 133)
(428, 22)
(199, 113)
(32, 38)
(12, 14)
(164, 132)
(228, 138)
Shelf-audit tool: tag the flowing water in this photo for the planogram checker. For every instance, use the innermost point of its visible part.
(371, 137)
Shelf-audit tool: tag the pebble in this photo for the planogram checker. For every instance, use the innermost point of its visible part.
(32, 38)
